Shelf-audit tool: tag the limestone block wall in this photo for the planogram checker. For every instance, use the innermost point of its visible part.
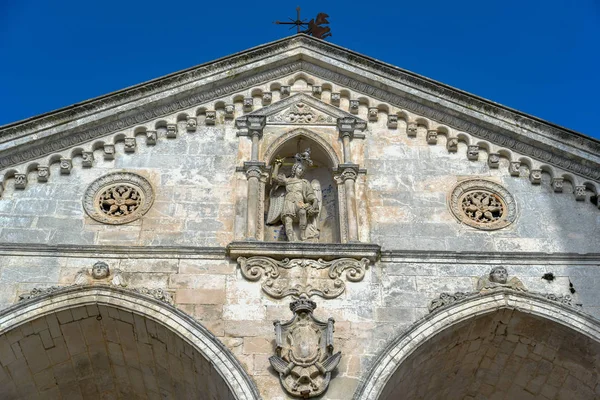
(369, 314)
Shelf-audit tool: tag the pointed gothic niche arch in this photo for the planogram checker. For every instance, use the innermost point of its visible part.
(325, 166)
(95, 341)
(503, 344)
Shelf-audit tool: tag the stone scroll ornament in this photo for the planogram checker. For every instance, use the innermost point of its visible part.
(304, 355)
(255, 268)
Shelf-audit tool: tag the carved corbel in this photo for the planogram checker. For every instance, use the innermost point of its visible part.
(43, 173)
(353, 105)
(109, 151)
(335, 99)
(317, 91)
(171, 131)
(411, 129)
(129, 145)
(151, 138)
(229, 111)
(285, 91)
(304, 355)
(191, 124)
(452, 144)
(267, 97)
(493, 160)
(535, 176)
(210, 118)
(557, 184)
(20, 181)
(432, 136)
(87, 159)
(514, 168)
(473, 152)
(66, 165)
(248, 103)
(373, 114)
(579, 191)
(392, 122)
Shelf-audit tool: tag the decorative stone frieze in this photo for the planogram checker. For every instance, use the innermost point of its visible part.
(354, 106)
(301, 113)
(411, 129)
(335, 99)
(579, 191)
(327, 286)
(118, 198)
(493, 160)
(192, 123)
(452, 144)
(304, 355)
(130, 145)
(87, 159)
(65, 165)
(210, 117)
(285, 91)
(446, 299)
(43, 173)
(565, 299)
(392, 122)
(482, 204)
(37, 292)
(248, 103)
(432, 136)
(557, 184)
(535, 176)
(20, 181)
(317, 91)
(171, 131)
(156, 293)
(229, 111)
(267, 97)
(473, 152)
(151, 137)
(373, 114)
(514, 168)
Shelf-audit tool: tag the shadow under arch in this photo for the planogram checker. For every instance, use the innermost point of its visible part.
(236, 384)
(281, 141)
(378, 383)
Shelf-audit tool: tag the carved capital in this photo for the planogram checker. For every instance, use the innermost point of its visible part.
(210, 118)
(171, 131)
(493, 160)
(251, 125)
(411, 129)
(129, 145)
(335, 99)
(314, 282)
(66, 165)
(43, 173)
(20, 181)
(579, 191)
(348, 125)
(87, 159)
(254, 169)
(452, 144)
(348, 171)
(432, 136)
(514, 168)
(473, 152)
(557, 184)
(535, 176)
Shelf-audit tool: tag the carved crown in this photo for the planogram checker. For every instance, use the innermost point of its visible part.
(303, 304)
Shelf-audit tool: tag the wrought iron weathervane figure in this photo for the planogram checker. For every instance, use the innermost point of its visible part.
(313, 27)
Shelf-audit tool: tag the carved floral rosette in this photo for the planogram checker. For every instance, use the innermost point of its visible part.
(304, 355)
(118, 198)
(482, 204)
(255, 268)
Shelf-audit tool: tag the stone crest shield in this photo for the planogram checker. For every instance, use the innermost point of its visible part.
(304, 356)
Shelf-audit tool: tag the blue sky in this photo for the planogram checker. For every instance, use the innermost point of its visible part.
(539, 57)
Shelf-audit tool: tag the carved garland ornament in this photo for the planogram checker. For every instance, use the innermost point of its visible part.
(254, 268)
(483, 204)
(118, 198)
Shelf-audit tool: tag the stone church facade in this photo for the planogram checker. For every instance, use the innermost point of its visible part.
(297, 221)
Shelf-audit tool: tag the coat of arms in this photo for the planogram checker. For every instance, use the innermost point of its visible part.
(304, 356)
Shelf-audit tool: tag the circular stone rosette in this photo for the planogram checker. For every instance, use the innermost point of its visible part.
(118, 198)
(483, 204)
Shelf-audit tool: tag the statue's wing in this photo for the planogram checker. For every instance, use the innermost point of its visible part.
(332, 362)
(82, 277)
(276, 199)
(117, 279)
(316, 187)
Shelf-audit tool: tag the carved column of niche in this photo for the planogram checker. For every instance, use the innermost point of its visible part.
(252, 126)
(348, 172)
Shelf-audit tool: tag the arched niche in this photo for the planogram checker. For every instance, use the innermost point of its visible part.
(324, 167)
(103, 342)
(502, 345)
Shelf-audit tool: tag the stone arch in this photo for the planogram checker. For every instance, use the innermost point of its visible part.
(271, 151)
(380, 383)
(74, 312)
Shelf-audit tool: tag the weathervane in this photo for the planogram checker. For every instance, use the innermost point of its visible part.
(314, 27)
